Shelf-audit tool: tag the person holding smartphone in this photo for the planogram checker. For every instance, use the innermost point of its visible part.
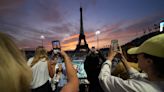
(150, 60)
(60, 78)
(73, 82)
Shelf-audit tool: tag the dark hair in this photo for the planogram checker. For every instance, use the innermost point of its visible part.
(158, 64)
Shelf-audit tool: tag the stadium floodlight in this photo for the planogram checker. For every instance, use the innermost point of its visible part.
(97, 35)
(42, 37)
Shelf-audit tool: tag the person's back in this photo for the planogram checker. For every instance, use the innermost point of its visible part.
(15, 75)
(42, 70)
(92, 67)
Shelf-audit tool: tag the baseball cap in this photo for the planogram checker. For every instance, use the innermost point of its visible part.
(153, 46)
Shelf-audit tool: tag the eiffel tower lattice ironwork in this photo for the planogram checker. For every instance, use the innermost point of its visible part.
(80, 46)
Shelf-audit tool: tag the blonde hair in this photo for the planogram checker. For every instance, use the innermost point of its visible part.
(40, 53)
(15, 75)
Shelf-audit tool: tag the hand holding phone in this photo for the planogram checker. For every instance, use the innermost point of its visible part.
(56, 51)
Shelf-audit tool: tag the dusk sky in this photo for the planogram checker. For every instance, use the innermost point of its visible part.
(27, 20)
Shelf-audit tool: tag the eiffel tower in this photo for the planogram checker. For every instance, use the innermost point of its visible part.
(80, 46)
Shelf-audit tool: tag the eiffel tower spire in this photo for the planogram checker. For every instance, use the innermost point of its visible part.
(81, 22)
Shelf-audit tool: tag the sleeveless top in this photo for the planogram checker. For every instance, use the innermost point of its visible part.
(39, 72)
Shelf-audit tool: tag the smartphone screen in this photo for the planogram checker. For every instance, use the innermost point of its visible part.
(56, 44)
(114, 44)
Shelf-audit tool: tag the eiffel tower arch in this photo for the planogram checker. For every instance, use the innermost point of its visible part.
(80, 46)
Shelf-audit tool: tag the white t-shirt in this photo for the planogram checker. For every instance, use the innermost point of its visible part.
(138, 83)
(39, 72)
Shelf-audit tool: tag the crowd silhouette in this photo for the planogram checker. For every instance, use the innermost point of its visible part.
(55, 72)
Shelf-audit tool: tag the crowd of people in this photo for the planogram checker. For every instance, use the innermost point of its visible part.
(18, 75)
(56, 73)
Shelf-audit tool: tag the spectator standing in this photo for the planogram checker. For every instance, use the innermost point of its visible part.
(42, 69)
(92, 66)
(150, 56)
(60, 78)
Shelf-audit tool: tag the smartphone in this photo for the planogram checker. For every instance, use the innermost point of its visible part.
(56, 44)
(114, 44)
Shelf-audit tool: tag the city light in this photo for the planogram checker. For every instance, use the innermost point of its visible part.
(97, 32)
(42, 37)
(97, 35)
